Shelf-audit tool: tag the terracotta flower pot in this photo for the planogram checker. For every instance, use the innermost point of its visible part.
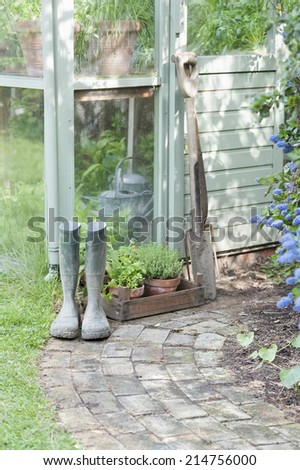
(134, 293)
(30, 37)
(161, 286)
(111, 53)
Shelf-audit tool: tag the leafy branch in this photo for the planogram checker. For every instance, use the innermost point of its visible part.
(289, 377)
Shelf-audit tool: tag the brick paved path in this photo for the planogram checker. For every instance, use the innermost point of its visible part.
(159, 383)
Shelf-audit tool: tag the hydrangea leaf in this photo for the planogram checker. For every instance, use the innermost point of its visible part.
(268, 354)
(245, 339)
(296, 342)
(290, 377)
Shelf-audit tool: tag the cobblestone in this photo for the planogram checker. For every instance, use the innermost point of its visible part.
(159, 383)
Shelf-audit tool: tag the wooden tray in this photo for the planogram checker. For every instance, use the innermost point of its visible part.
(188, 295)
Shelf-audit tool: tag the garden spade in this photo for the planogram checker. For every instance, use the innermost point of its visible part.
(199, 237)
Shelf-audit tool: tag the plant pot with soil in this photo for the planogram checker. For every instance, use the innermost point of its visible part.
(124, 270)
(163, 268)
(111, 33)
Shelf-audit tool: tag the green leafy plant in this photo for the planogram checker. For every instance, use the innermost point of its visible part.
(96, 160)
(160, 262)
(289, 377)
(124, 268)
(215, 27)
(89, 13)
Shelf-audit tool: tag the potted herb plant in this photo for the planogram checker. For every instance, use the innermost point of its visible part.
(124, 269)
(23, 20)
(163, 268)
(111, 31)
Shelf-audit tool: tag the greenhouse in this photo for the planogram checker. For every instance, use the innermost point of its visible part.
(71, 127)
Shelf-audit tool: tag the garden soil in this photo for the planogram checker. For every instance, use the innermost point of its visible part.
(257, 295)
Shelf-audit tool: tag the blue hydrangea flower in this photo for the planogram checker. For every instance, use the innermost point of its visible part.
(255, 219)
(274, 138)
(292, 167)
(296, 220)
(297, 273)
(282, 207)
(288, 148)
(277, 224)
(297, 211)
(288, 257)
(277, 192)
(288, 186)
(280, 143)
(268, 222)
(291, 281)
(296, 306)
(284, 302)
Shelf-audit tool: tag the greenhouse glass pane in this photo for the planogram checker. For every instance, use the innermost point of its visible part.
(114, 153)
(114, 38)
(21, 38)
(21, 167)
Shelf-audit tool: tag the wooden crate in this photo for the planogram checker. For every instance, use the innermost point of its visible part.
(188, 295)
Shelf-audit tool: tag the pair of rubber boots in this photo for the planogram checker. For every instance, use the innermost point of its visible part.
(67, 323)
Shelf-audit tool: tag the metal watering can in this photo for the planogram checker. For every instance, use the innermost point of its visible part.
(128, 194)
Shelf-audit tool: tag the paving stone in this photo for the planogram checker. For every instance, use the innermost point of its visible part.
(186, 442)
(238, 395)
(117, 366)
(101, 402)
(54, 377)
(290, 432)
(120, 422)
(182, 409)
(78, 419)
(255, 433)
(163, 425)
(153, 336)
(89, 381)
(89, 347)
(162, 389)
(209, 326)
(58, 345)
(97, 439)
(224, 410)
(150, 353)
(116, 350)
(64, 397)
(183, 371)
(124, 385)
(287, 446)
(218, 375)
(140, 404)
(142, 441)
(266, 413)
(233, 444)
(208, 358)
(209, 341)
(150, 371)
(85, 362)
(179, 339)
(198, 390)
(173, 355)
(209, 429)
(127, 332)
(56, 359)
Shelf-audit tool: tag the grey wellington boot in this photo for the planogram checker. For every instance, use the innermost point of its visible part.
(67, 323)
(95, 324)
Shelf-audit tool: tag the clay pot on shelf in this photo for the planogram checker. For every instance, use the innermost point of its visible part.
(161, 286)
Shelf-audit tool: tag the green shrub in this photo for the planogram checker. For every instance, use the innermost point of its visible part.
(160, 262)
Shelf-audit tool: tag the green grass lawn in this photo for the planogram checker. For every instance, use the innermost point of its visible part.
(27, 420)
